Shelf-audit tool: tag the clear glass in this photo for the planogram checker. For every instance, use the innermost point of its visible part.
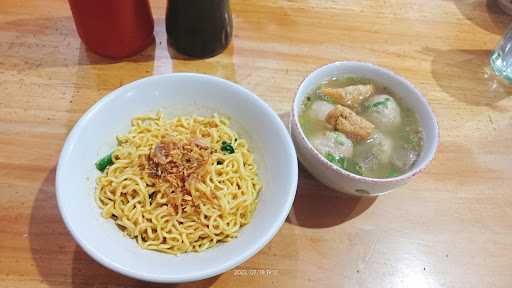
(501, 57)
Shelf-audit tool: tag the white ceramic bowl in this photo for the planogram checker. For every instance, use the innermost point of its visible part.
(340, 179)
(174, 94)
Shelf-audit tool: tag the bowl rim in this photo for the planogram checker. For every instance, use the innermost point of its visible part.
(193, 276)
(294, 122)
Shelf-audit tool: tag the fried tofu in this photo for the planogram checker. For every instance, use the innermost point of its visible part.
(350, 96)
(349, 123)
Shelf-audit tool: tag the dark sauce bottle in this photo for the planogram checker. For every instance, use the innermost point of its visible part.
(199, 28)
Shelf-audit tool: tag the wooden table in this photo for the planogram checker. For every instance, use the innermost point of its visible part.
(450, 227)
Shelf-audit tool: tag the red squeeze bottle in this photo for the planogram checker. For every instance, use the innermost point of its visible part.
(114, 28)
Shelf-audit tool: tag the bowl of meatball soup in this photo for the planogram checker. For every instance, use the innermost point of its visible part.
(362, 129)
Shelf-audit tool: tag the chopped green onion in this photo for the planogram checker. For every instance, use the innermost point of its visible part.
(104, 162)
(359, 170)
(342, 162)
(412, 140)
(227, 148)
(378, 103)
(345, 163)
(352, 167)
(330, 157)
(393, 173)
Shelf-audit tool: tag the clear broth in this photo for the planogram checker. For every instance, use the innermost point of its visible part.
(408, 135)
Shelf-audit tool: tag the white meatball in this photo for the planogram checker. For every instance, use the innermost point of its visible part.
(383, 112)
(319, 110)
(377, 149)
(403, 158)
(333, 142)
(381, 146)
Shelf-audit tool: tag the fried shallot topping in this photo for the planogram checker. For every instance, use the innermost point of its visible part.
(177, 162)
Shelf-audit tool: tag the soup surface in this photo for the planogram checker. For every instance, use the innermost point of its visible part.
(361, 127)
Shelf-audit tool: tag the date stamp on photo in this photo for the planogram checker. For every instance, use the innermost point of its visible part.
(256, 272)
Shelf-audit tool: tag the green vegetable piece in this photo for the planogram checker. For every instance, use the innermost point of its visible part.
(330, 157)
(393, 173)
(345, 163)
(342, 162)
(358, 169)
(104, 162)
(354, 167)
(412, 140)
(378, 103)
(227, 148)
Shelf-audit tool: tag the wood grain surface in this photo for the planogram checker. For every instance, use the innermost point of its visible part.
(450, 227)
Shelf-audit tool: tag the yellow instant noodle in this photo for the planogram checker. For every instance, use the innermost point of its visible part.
(219, 204)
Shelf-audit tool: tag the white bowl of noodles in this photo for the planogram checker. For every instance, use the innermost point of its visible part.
(264, 137)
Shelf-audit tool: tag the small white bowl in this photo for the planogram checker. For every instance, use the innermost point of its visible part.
(174, 94)
(339, 179)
